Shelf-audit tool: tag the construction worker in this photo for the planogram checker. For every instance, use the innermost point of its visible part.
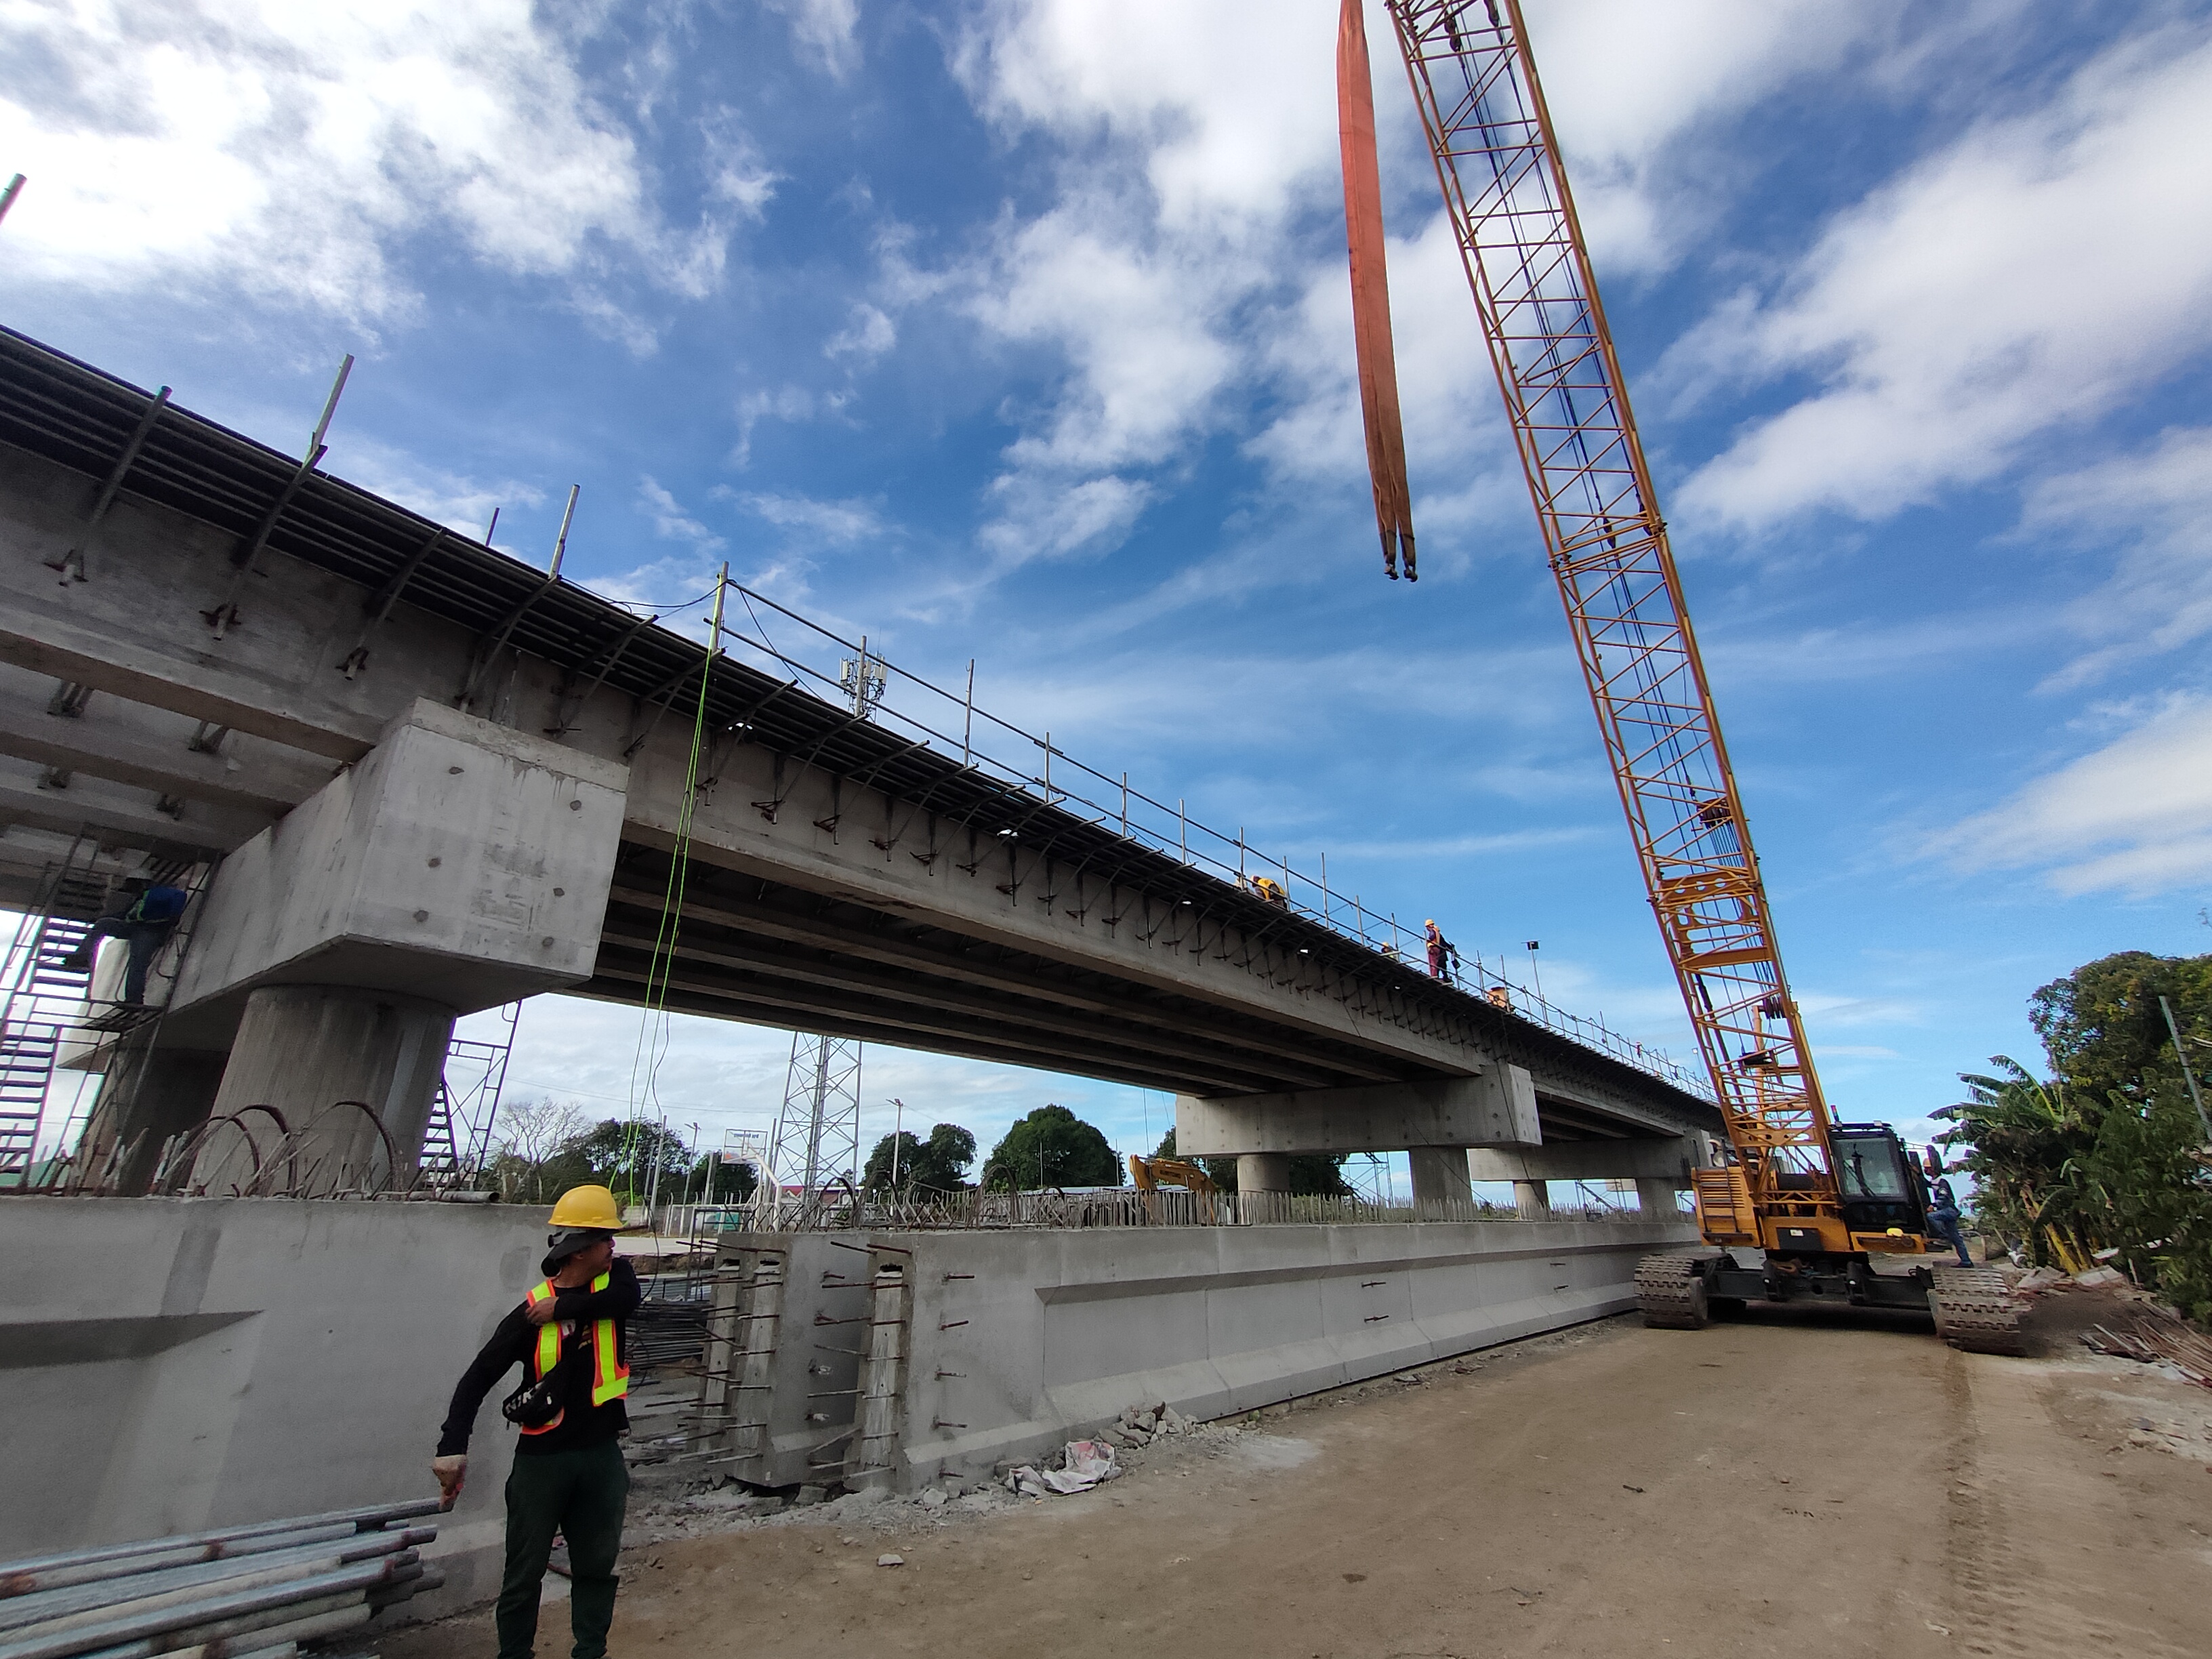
(1440, 948)
(1943, 1207)
(143, 918)
(1270, 890)
(568, 1478)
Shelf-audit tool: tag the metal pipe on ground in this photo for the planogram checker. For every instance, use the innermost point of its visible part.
(31, 1573)
(106, 1598)
(143, 1635)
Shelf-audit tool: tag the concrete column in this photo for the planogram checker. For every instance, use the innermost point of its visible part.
(1533, 1198)
(1440, 1177)
(1263, 1172)
(146, 1097)
(336, 1062)
(1654, 1196)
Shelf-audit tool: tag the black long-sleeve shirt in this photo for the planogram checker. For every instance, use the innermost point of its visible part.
(582, 1424)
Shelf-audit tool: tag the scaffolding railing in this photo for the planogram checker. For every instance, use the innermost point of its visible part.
(948, 722)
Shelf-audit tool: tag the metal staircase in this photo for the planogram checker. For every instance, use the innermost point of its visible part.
(44, 999)
(457, 1144)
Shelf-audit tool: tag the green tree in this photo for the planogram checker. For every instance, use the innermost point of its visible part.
(2103, 1028)
(2108, 1154)
(1051, 1147)
(937, 1165)
(1313, 1175)
(713, 1181)
(622, 1156)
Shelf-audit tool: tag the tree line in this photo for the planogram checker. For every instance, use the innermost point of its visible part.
(2107, 1157)
(547, 1147)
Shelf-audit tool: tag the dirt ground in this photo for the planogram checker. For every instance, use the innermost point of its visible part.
(1781, 1483)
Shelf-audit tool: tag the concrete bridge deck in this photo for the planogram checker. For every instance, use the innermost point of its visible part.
(236, 634)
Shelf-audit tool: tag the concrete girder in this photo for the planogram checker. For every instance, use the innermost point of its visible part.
(909, 956)
(150, 748)
(878, 983)
(119, 811)
(1498, 1108)
(1670, 1159)
(625, 988)
(792, 1006)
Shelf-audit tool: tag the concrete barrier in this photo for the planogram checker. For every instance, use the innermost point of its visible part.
(180, 1364)
(1021, 1339)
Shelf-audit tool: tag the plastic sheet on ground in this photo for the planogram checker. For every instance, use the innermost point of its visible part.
(1087, 1462)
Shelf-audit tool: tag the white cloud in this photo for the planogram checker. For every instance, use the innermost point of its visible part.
(286, 149)
(865, 337)
(1624, 79)
(2133, 816)
(838, 522)
(826, 27)
(670, 520)
(2033, 274)
(1169, 271)
(2160, 599)
(460, 503)
(784, 403)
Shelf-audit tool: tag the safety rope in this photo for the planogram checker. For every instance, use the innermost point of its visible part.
(654, 1032)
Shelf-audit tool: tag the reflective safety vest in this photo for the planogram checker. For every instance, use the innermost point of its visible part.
(610, 1376)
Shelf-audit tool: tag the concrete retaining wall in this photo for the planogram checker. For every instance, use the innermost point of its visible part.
(177, 1364)
(1022, 1338)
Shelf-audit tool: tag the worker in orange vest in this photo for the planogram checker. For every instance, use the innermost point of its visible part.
(569, 1335)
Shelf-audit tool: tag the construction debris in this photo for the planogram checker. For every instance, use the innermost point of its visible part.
(2154, 1337)
(255, 1591)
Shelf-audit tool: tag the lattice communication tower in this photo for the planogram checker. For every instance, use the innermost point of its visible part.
(818, 1133)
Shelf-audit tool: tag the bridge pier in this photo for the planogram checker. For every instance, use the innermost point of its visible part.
(458, 865)
(1440, 1178)
(1532, 1199)
(1434, 1122)
(147, 1095)
(1262, 1172)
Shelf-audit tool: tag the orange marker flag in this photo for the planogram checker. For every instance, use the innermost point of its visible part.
(1370, 292)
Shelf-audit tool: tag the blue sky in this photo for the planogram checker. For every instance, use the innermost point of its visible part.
(1019, 330)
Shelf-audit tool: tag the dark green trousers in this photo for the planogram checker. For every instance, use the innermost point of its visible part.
(580, 1495)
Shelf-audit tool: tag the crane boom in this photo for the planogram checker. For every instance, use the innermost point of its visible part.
(1506, 189)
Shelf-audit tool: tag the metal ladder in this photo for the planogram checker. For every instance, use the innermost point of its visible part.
(43, 999)
(467, 1103)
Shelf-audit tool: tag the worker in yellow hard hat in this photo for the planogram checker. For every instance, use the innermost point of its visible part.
(569, 1333)
(1439, 947)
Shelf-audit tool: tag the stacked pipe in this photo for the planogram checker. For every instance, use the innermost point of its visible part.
(247, 1592)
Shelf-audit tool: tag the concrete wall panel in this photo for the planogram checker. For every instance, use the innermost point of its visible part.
(1024, 1338)
(176, 1364)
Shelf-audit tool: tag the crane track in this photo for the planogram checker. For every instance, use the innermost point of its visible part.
(1975, 1311)
(1670, 1291)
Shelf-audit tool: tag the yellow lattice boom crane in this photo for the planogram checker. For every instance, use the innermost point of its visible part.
(1803, 1206)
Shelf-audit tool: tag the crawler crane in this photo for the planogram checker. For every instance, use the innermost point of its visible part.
(1804, 1207)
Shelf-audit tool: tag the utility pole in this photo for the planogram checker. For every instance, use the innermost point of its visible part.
(2188, 1076)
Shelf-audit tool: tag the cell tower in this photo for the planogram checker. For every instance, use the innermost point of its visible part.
(817, 1134)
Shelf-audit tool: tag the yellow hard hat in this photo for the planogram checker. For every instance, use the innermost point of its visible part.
(589, 1208)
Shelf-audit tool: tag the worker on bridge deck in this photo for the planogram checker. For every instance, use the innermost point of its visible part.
(569, 1335)
(1440, 949)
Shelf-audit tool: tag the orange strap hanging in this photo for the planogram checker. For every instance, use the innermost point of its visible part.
(1370, 292)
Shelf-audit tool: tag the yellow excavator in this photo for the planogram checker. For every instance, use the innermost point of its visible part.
(1804, 1208)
